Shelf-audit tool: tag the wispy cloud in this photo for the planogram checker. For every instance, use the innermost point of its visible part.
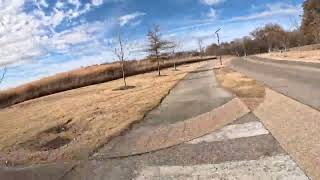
(126, 19)
(212, 2)
(212, 14)
(272, 10)
(97, 2)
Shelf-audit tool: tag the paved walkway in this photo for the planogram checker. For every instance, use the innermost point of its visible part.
(144, 140)
(195, 107)
(242, 149)
(220, 139)
(196, 94)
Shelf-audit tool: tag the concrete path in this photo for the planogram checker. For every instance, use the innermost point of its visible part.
(243, 149)
(144, 140)
(188, 112)
(236, 156)
(296, 126)
(198, 93)
(296, 81)
(214, 137)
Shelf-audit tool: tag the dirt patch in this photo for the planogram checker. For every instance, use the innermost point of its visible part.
(52, 138)
(250, 91)
(55, 143)
(60, 128)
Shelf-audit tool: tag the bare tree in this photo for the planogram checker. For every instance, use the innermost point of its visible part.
(119, 51)
(219, 49)
(246, 44)
(200, 46)
(156, 44)
(174, 46)
(3, 74)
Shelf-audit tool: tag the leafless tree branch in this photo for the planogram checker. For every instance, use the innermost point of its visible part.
(120, 53)
(3, 74)
(157, 44)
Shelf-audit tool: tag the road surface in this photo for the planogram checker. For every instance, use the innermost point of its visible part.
(299, 82)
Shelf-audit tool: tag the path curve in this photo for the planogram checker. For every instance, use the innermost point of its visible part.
(164, 136)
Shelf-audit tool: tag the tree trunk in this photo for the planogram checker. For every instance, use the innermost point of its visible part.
(174, 65)
(158, 59)
(123, 73)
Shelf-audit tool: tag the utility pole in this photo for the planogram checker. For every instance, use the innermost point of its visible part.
(219, 53)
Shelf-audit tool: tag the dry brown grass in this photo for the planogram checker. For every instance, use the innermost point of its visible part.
(305, 56)
(73, 124)
(81, 78)
(248, 90)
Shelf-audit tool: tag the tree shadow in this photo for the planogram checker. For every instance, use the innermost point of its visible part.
(123, 88)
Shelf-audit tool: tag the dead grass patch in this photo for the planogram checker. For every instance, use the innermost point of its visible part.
(249, 90)
(71, 125)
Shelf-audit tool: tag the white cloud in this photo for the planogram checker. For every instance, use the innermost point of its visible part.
(17, 36)
(97, 2)
(212, 2)
(85, 33)
(212, 13)
(204, 28)
(28, 35)
(43, 3)
(76, 3)
(123, 20)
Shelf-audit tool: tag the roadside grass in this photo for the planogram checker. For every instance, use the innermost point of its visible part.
(251, 92)
(83, 77)
(294, 55)
(71, 125)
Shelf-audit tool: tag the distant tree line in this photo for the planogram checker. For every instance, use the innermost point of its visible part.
(273, 37)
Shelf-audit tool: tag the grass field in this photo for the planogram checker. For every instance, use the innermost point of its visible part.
(83, 77)
(71, 125)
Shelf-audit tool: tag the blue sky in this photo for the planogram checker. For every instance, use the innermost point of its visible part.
(39, 38)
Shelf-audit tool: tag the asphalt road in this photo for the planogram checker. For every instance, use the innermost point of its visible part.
(299, 82)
